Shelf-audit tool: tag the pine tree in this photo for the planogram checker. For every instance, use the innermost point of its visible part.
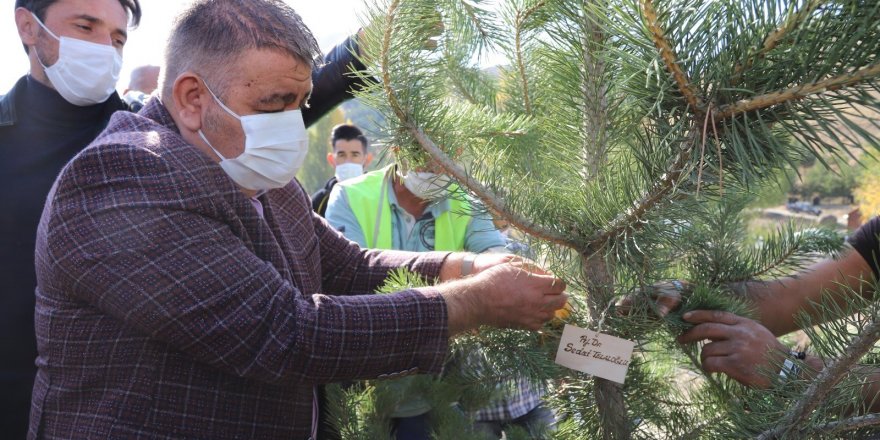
(625, 137)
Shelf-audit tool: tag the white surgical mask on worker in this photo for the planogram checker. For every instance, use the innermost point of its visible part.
(275, 147)
(427, 186)
(348, 171)
(85, 73)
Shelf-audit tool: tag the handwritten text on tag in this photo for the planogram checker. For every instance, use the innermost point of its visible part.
(594, 353)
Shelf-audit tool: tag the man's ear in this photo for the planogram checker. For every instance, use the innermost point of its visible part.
(331, 159)
(28, 28)
(189, 97)
(368, 159)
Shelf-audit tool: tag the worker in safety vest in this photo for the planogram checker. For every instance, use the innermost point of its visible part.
(425, 211)
(417, 211)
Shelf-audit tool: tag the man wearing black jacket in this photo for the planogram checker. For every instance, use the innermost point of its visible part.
(348, 156)
(50, 115)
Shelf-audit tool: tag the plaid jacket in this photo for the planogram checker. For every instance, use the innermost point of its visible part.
(168, 308)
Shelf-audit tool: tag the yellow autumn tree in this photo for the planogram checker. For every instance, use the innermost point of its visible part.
(867, 192)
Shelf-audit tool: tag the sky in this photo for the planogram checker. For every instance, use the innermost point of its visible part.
(330, 20)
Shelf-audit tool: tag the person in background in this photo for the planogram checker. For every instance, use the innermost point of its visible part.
(75, 49)
(50, 115)
(348, 156)
(144, 80)
(186, 288)
(422, 210)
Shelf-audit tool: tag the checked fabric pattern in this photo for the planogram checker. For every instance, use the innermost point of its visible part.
(168, 308)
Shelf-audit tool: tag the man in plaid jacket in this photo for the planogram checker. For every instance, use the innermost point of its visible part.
(176, 301)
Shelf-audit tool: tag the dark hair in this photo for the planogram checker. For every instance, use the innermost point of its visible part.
(210, 33)
(38, 8)
(348, 132)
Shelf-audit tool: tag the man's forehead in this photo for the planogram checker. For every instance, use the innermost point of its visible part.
(262, 69)
(109, 11)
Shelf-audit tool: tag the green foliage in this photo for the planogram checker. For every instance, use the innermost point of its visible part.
(626, 137)
(775, 191)
(838, 182)
(717, 252)
(477, 364)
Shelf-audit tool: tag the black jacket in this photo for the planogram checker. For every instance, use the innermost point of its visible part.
(321, 196)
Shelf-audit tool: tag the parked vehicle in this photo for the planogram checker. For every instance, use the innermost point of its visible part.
(804, 207)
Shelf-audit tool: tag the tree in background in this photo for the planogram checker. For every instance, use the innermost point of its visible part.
(837, 181)
(867, 192)
(625, 137)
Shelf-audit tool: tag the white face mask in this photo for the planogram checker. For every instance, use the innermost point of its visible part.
(348, 171)
(427, 186)
(275, 146)
(85, 73)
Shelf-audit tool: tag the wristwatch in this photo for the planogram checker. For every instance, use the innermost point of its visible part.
(789, 368)
(467, 264)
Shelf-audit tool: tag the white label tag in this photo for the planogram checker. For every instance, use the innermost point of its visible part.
(594, 353)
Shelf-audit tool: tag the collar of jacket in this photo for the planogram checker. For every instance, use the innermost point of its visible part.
(8, 116)
(7, 104)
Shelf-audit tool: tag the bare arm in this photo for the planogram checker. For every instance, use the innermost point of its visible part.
(778, 301)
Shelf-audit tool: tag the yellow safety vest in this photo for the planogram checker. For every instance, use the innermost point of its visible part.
(364, 193)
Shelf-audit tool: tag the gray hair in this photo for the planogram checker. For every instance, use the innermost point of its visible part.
(211, 33)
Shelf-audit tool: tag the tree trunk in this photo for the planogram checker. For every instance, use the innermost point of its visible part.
(595, 103)
(609, 395)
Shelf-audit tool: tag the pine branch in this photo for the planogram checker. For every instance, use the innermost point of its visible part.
(697, 431)
(793, 22)
(658, 194)
(772, 40)
(478, 24)
(463, 90)
(850, 424)
(826, 380)
(386, 62)
(670, 58)
(520, 64)
(798, 92)
(779, 262)
(490, 199)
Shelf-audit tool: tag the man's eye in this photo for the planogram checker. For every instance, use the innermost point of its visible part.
(84, 27)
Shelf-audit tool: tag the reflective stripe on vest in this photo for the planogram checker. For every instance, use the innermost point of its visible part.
(364, 193)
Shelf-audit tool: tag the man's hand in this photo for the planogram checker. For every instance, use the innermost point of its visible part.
(451, 268)
(740, 347)
(663, 297)
(485, 261)
(506, 295)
